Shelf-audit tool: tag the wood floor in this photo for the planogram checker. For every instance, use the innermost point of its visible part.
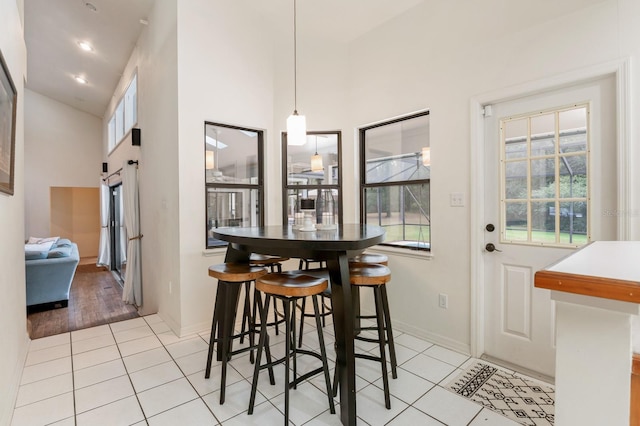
(95, 299)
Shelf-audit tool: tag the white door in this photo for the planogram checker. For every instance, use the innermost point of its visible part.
(550, 187)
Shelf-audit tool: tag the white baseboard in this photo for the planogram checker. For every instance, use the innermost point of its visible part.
(438, 339)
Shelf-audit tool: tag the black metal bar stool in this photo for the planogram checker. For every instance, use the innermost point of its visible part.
(305, 264)
(274, 263)
(231, 276)
(289, 287)
(375, 276)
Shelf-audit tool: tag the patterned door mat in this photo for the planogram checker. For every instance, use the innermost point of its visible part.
(524, 401)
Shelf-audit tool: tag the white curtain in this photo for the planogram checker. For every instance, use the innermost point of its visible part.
(104, 258)
(132, 292)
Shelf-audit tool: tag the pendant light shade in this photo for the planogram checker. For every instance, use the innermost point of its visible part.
(296, 129)
(426, 156)
(209, 160)
(316, 160)
(296, 124)
(316, 163)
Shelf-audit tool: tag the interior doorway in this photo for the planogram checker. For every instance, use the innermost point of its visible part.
(75, 214)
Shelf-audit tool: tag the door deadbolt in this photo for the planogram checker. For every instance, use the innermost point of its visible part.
(490, 227)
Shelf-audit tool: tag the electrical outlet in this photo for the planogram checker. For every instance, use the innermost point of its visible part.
(456, 199)
(443, 301)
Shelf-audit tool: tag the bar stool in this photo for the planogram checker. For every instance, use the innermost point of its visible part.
(369, 258)
(326, 309)
(375, 276)
(289, 287)
(274, 263)
(231, 276)
(377, 259)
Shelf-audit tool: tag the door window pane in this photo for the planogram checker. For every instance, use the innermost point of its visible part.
(516, 221)
(554, 187)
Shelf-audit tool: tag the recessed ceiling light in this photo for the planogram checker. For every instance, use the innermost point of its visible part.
(80, 79)
(84, 45)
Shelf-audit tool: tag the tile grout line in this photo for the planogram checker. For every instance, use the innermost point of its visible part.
(184, 376)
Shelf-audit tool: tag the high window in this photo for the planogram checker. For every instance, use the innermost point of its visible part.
(234, 194)
(312, 171)
(395, 170)
(125, 115)
(545, 185)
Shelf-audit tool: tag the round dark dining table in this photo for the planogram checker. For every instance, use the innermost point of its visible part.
(333, 246)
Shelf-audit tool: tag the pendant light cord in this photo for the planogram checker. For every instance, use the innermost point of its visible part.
(295, 62)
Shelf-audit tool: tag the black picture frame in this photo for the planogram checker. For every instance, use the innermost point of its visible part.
(8, 100)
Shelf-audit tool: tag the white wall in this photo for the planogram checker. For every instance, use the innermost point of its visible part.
(438, 56)
(13, 329)
(231, 69)
(225, 74)
(63, 147)
(155, 59)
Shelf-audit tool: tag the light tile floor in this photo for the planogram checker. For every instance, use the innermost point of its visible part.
(137, 372)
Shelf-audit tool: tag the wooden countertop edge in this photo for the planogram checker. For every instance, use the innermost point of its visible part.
(606, 288)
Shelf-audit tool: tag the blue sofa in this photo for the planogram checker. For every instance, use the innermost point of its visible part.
(49, 279)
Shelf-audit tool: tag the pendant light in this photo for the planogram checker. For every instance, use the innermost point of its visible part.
(316, 160)
(209, 160)
(426, 156)
(296, 124)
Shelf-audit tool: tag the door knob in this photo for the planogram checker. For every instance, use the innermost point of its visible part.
(490, 247)
(490, 227)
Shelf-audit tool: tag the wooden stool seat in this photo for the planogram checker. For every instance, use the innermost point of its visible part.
(369, 274)
(367, 258)
(291, 285)
(265, 259)
(236, 272)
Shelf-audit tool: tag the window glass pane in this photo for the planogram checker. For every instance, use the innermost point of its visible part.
(515, 134)
(231, 207)
(325, 201)
(573, 176)
(394, 151)
(543, 178)
(516, 221)
(299, 165)
(130, 104)
(516, 180)
(111, 133)
(543, 224)
(573, 222)
(543, 133)
(573, 130)
(231, 155)
(403, 211)
(555, 189)
(119, 115)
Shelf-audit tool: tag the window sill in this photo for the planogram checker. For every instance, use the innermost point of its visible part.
(397, 251)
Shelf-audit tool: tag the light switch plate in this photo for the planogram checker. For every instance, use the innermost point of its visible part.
(456, 199)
